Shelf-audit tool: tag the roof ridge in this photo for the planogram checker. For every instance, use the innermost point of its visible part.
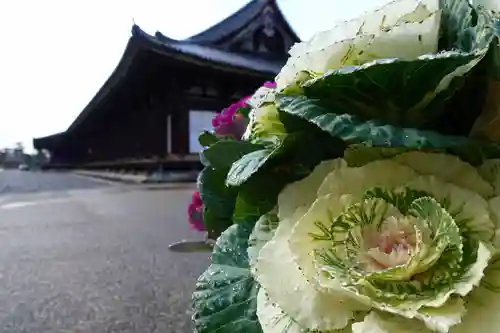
(231, 23)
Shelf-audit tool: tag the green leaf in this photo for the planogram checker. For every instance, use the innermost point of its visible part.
(398, 92)
(224, 153)
(473, 152)
(353, 130)
(245, 111)
(246, 208)
(464, 26)
(218, 200)
(494, 60)
(225, 299)
(295, 160)
(485, 124)
(469, 27)
(360, 154)
(443, 92)
(293, 157)
(260, 194)
(476, 152)
(246, 166)
(207, 139)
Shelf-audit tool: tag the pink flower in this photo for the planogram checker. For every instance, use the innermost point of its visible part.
(229, 122)
(195, 212)
(196, 198)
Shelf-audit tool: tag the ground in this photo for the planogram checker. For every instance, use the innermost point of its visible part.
(77, 255)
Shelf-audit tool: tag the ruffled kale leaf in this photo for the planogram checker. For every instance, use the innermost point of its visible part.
(226, 293)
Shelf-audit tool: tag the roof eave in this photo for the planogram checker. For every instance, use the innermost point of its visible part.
(159, 43)
(140, 41)
(227, 26)
(287, 25)
(46, 141)
(131, 50)
(220, 66)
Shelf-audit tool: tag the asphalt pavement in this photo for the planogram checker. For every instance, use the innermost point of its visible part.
(15, 181)
(79, 255)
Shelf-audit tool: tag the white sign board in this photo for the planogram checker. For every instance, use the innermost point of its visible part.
(199, 121)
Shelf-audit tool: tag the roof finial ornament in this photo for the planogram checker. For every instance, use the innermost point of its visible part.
(268, 22)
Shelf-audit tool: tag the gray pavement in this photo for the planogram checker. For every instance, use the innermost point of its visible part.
(14, 181)
(83, 256)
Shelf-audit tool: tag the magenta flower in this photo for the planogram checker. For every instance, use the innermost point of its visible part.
(270, 84)
(231, 123)
(195, 212)
(227, 123)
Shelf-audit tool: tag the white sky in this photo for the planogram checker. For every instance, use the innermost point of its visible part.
(56, 54)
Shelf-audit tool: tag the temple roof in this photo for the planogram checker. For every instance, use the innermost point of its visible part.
(228, 46)
(250, 38)
(203, 55)
(47, 141)
(210, 55)
(256, 38)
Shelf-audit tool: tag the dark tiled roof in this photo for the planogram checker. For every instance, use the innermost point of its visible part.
(236, 22)
(195, 49)
(47, 141)
(211, 54)
(168, 47)
(228, 25)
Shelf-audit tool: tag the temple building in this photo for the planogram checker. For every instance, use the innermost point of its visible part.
(163, 91)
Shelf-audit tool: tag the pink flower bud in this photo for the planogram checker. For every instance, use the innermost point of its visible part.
(195, 212)
(270, 84)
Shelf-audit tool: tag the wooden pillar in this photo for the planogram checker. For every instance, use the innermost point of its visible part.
(180, 130)
(137, 127)
(157, 128)
(176, 120)
(133, 132)
(168, 132)
(161, 144)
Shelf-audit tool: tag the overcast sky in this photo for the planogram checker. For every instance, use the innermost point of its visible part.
(56, 54)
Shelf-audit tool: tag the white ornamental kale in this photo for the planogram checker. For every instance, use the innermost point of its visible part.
(264, 117)
(404, 244)
(404, 29)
